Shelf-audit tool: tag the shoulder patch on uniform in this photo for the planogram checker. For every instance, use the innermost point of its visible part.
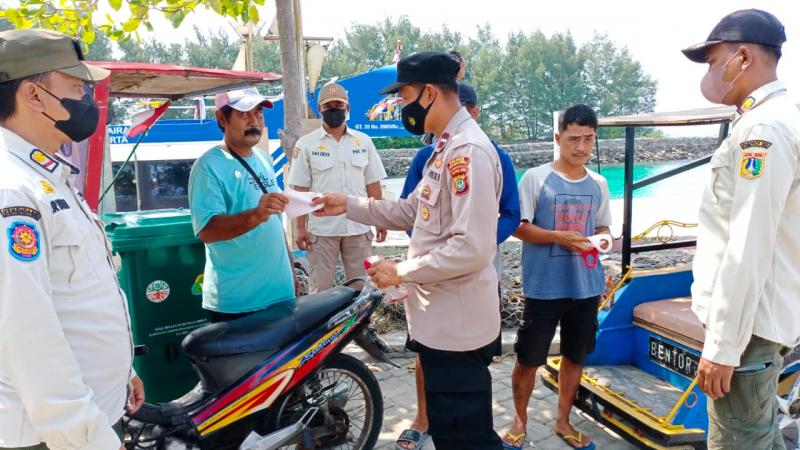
(45, 162)
(756, 143)
(23, 241)
(459, 171)
(752, 164)
(48, 188)
(22, 211)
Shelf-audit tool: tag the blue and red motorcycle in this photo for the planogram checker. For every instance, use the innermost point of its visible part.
(275, 379)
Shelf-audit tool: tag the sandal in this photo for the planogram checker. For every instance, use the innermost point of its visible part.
(512, 442)
(412, 436)
(570, 439)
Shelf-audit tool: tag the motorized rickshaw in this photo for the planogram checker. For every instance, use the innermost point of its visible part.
(639, 381)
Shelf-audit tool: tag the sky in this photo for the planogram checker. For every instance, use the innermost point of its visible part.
(654, 32)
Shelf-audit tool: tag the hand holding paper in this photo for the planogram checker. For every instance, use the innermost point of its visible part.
(602, 242)
(300, 202)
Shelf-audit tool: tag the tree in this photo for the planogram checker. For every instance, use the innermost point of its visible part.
(615, 83)
(214, 50)
(77, 17)
(485, 58)
(100, 49)
(543, 75)
(367, 47)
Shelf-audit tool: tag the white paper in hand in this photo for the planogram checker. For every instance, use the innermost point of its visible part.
(602, 242)
(300, 202)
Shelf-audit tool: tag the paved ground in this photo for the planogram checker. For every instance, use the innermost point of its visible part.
(399, 397)
(400, 403)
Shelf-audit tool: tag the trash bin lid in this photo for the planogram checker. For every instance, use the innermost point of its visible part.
(148, 224)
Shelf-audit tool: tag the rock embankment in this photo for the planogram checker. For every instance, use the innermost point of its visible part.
(612, 151)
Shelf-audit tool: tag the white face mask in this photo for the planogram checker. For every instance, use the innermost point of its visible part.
(712, 86)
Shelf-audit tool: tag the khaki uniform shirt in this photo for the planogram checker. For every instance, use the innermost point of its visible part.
(453, 304)
(65, 344)
(322, 164)
(747, 265)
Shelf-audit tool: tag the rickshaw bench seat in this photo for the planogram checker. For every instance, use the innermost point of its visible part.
(672, 319)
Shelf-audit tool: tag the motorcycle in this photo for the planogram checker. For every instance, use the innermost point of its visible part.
(275, 379)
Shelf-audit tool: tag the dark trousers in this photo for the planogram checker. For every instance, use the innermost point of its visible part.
(458, 388)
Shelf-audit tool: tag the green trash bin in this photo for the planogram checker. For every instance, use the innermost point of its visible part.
(162, 275)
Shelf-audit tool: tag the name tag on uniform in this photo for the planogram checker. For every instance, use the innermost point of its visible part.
(59, 205)
(435, 175)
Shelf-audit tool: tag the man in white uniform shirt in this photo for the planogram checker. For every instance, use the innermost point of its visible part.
(746, 272)
(335, 158)
(65, 343)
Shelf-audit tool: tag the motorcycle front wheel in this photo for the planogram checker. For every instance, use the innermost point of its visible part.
(350, 406)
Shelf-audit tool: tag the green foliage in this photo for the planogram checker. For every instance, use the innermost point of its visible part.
(77, 18)
(366, 47)
(616, 84)
(519, 84)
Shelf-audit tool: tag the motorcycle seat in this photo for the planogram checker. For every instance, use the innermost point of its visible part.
(268, 330)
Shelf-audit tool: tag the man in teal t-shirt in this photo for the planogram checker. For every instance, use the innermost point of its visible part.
(238, 216)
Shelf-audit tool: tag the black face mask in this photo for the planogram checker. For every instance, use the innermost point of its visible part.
(414, 115)
(83, 117)
(334, 118)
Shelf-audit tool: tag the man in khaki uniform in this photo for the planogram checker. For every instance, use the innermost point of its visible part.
(66, 377)
(453, 306)
(746, 272)
(335, 158)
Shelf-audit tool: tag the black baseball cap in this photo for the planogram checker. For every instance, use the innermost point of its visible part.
(467, 94)
(424, 67)
(749, 26)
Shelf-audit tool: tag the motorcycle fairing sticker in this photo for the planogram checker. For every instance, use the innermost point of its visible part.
(260, 390)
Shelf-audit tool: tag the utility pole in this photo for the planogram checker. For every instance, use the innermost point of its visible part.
(244, 60)
(301, 55)
(293, 78)
(248, 46)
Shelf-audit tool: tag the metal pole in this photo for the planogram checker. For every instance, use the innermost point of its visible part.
(138, 182)
(122, 167)
(628, 201)
(597, 151)
(723, 132)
